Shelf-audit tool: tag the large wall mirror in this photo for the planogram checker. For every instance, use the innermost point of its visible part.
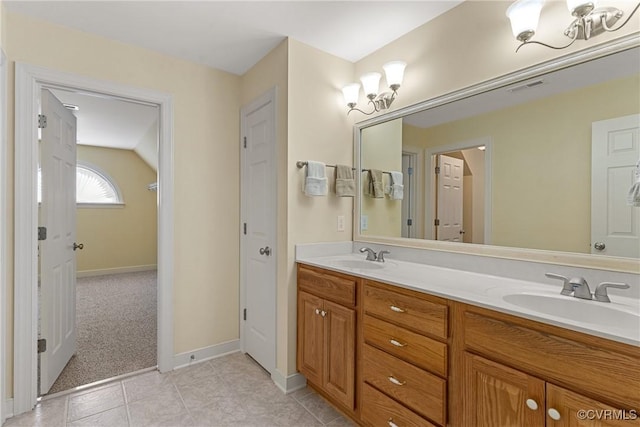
(537, 161)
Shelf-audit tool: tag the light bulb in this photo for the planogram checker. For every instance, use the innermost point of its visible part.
(370, 84)
(394, 72)
(351, 93)
(524, 16)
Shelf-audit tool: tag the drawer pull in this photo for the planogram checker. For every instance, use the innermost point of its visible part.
(397, 343)
(397, 309)
(394, 380)
(391, 423)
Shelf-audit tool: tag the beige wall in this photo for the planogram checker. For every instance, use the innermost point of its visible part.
(206, 104)
(318, 129)
(118, 237)
(542, 164)
(382, 149)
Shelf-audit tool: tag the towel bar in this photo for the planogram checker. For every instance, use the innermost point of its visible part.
(300, 164)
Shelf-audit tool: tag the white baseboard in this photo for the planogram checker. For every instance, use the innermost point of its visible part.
(288, 384)
(7, 409)
(117, 270)
(183, 360)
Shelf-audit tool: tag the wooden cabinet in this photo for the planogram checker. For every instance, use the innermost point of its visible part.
(404, 357)
(327, 334)
(389, 356)
(532, 367)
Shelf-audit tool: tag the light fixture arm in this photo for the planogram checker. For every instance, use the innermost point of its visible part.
(610, 30)
(575, 37)
(381, 102)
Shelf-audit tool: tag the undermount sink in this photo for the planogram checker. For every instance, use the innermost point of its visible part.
(359, 264)
(592, 312)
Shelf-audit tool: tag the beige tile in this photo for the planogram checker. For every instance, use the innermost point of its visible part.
(299, 394)
(145, 385)
(287, 414)
(159, 409)
(91, 402)
(116, 417)
(341, 422)
(222, 411)
(204, 392)
(48, 413)
(319, 407)
(193, 373)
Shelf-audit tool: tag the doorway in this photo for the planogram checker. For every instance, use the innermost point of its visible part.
(113, 218)
(458, 195)
(29, 81)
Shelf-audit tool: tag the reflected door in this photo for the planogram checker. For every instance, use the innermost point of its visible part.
(615, 149)
(449, 177)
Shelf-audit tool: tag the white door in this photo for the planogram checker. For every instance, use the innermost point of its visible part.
(409, 162)
(615, 150)
(259, 231)
(449, 199)
(57, 257)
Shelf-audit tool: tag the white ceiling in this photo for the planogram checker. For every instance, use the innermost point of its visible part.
(234, 35)
(109, 122)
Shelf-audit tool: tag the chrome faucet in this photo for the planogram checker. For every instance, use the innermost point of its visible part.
(601, 291)
(371, 255)
(381, 255)
(576, 285)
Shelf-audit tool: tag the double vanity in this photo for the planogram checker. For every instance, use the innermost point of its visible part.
(399, 343)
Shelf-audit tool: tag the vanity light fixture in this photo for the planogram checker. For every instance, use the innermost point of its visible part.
(589, 20)
(394, 73)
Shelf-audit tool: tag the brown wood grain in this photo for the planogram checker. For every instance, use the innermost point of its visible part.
(333, 287)
(419, 390)
(381, 411)
(310, 344)
(417, 313)
(339, 357)
(422, 351)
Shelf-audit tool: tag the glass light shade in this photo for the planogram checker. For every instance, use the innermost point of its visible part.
(524, 16)
(351, 93)
(574, 5)
(394, 72)
(370, 83)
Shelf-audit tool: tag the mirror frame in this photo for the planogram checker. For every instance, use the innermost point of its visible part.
(601, 262)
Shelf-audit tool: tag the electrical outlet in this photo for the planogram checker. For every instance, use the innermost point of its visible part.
(340, 223)
(364, 222)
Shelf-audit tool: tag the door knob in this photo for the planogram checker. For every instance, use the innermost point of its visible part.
(599, 246)
(78, 246)
(265, 251)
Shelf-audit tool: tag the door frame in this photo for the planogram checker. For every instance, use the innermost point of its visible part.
(430, 182)
(4, 410)
(269, 96)
(29, 80)
(417, 181)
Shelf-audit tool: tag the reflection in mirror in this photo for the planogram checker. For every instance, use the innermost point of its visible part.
(545, 163)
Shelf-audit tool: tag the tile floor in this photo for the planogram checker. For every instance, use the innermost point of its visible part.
(229, 391)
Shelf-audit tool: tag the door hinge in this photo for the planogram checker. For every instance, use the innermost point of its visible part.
(245, 141)
(42, 121)
(436, 222)
(409, 222)
(437, 170)
(409, 171)
(42, 233)
(42, 345)
(244, 228)
(244, 315)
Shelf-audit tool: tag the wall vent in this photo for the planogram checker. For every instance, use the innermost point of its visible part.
(525, 86)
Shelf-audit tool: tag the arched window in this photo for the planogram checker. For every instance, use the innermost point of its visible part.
(93, 187)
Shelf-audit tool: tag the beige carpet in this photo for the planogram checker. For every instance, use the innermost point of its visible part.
(116, 318)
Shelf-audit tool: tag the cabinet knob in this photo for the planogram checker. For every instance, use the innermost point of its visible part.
(317, 311)
(394, 380)
(323, 313)
(391, 423)
(397, 343)
(396, 309)
(532, 404)
(554, 414)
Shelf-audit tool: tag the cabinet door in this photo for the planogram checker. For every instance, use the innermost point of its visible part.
(575, 410)
(310, 337)
(340, 339)
(496, 395)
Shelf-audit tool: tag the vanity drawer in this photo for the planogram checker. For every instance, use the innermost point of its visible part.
(419, 390)
(585, 363)
(334, 287)
(414, 348)
(412, 311)
(378, 410)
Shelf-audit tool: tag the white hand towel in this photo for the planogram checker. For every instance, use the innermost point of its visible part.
(315, 183)
(633, 197)
(397, 189)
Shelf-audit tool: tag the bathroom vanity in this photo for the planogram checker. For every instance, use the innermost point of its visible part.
(387, 351)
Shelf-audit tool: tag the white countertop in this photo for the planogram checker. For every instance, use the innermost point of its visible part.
(483, 290)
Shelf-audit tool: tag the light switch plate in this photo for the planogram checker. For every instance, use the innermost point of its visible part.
(340, 223)
(364, 222)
